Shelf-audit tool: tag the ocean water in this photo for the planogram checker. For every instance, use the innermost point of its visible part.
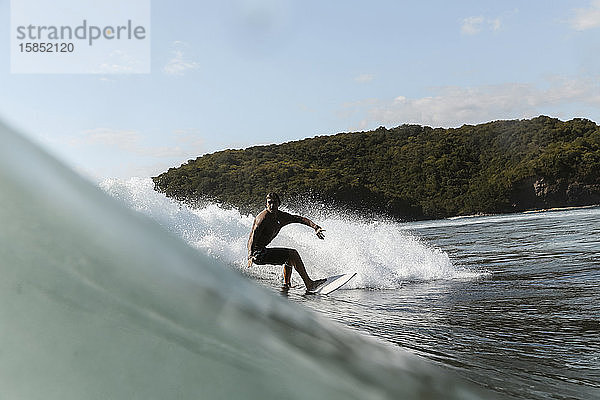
(119, 292)
(510, 303)
(99, 301)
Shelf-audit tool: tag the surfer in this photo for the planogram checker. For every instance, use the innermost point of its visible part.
(266, 226)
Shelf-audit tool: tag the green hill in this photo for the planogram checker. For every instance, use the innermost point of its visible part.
(411, 171)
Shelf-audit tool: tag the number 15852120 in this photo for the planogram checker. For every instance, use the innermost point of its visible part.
(46, 47)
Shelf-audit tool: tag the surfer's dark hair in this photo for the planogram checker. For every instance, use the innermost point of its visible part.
(274, 196)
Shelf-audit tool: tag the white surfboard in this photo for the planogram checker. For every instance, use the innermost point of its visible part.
(333, 283)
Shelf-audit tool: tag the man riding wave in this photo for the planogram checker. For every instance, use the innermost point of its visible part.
(266, 226)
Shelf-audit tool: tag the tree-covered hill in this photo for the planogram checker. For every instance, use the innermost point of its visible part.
(410, 171)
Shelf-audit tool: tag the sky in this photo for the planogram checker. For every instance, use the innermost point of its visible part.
(249, 72)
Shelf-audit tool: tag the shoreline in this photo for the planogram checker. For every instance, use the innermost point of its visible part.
(537, 210)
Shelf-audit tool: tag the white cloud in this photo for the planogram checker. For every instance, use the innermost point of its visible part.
(122, 139)
(474, 25)
(495, 24)
(120, 62)
(586, 18)
(455, 106)
(179, 64)
(186, 142)
(364, 78)
(121, 170)
(191, 140)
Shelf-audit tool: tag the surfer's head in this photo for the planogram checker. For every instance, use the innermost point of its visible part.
(273, 202)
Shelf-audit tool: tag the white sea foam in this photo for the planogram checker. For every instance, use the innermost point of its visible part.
(384, 253)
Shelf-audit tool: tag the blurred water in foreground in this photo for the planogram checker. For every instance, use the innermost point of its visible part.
(97, 302)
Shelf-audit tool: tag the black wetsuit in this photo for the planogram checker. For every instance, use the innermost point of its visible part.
(266, 226)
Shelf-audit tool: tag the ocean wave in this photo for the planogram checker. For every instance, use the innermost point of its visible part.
(383, 253)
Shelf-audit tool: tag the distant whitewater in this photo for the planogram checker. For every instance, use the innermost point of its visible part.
(384, 253)
(100, 302)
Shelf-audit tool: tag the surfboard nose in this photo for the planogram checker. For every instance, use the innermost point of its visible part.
(333, 283)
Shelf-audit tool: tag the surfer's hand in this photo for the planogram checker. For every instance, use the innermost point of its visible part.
(250, 261)
(319, 232)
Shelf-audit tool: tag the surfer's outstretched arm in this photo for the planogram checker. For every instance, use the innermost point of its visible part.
(304, 221)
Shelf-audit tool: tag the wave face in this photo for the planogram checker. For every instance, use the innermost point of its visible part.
(98, 301)
(384, 253)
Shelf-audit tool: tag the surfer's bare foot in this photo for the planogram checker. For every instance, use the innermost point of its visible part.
(286, 286)
(315, 284)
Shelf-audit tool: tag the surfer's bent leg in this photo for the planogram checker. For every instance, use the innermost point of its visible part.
(295, 261)
(288, 257)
